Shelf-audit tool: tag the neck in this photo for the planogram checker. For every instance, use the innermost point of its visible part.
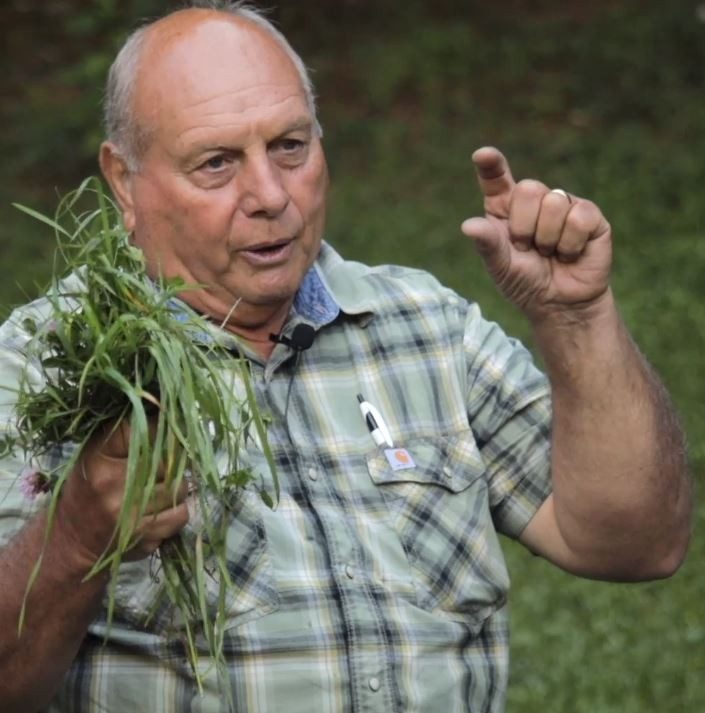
(251, 323)
(256, 334)
(263, 346)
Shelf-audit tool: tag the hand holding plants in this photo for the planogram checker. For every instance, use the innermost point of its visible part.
(89, 509)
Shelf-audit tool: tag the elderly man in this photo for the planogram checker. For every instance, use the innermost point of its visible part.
(378, 584)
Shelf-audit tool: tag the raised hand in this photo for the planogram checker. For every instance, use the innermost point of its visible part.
(547, 251)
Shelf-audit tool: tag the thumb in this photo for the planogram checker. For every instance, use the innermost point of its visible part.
(493, 173)
(494, 251)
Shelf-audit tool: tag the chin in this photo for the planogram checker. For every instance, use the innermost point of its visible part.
(272, 293)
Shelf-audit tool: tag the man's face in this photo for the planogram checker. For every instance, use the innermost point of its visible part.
(231, 190)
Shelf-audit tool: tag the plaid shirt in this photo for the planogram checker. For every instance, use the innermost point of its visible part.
(378, 583)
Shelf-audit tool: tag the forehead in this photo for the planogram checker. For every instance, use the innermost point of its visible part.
(209, 66)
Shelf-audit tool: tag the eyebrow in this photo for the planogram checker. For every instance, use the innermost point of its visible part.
(305, 123)
(302, 123)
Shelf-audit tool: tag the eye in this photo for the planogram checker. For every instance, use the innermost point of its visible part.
(215, 163)
(289, 151)
(216, 170)
(291, 145)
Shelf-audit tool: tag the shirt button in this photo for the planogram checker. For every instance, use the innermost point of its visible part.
(313, 474)
(374, 684)
(447, 472)
(349, 571)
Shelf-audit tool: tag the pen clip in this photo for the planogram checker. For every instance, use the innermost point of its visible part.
(375, 423)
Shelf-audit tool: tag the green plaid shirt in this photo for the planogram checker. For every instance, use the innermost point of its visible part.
(378, 583)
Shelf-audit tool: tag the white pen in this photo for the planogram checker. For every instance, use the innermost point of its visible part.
(375, 423)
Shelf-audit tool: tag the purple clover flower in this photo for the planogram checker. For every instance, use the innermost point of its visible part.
(33, 483)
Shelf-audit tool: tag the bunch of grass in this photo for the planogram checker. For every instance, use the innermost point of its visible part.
(120, 346)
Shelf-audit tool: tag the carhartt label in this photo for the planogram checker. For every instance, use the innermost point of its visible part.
(399, 458)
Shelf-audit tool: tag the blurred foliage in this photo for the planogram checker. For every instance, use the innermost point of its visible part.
(602, 98)
(58, 78)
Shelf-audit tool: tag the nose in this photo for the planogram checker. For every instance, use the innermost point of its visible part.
(263, 191)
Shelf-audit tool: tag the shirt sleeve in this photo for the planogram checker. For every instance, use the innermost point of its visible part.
(509, 408)
(15, 507)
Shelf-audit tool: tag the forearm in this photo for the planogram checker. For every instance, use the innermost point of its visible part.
(59, 608)
(621, 487)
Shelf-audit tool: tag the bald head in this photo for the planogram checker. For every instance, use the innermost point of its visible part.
(185, 43)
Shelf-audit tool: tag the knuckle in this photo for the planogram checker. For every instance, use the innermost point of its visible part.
(555, 201)
(530, 188)
(586, 213)
(580, 221)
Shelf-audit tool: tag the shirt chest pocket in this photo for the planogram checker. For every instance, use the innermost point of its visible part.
(436, 495)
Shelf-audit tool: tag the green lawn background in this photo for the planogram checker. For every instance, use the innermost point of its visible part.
(605, 99)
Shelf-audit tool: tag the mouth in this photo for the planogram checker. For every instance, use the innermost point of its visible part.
(268, 253)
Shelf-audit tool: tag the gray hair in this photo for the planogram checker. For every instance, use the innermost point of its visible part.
(122, 127)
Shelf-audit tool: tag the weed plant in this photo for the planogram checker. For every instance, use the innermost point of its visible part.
(117, 346)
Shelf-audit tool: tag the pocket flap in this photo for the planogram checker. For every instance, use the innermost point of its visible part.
(452, 462)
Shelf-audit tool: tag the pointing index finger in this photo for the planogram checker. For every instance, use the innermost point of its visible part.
(493, 172)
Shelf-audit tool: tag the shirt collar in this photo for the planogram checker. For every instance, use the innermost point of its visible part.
(345, 283)
(314, 302)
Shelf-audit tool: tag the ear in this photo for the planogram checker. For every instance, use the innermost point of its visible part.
(119, 178)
